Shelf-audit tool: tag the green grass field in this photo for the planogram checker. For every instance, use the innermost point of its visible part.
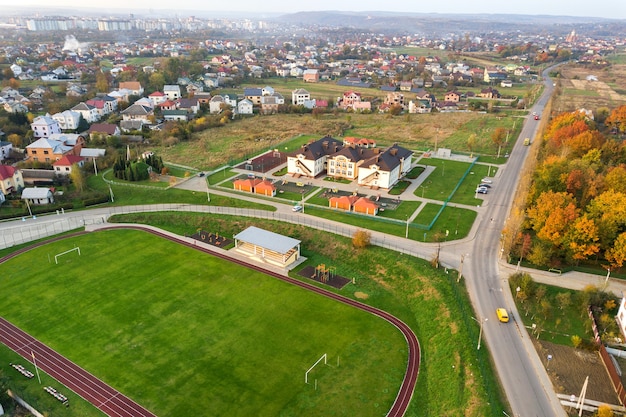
(184, 333)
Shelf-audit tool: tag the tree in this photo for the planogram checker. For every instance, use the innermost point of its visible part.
(617, 119)
(551, 216)
(616, 255)
(563, 299)
(15, 139)
(102, 82)
(78, 177)
(361, 239)
(582, 238)
(498, 136)
(471, 142)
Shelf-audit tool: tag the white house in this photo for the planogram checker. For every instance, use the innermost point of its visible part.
(5, 149)
(44, 126)
(67, 120)
(245, 106)
(172, 92)
(90, 113)
(384, 169)
(64, 165)
(38, 195)
(310, 159)
(157, 98)
(215, 104)
(17, 70)
(299, 96)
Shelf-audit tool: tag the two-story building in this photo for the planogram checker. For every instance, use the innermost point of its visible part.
(44, 126)
(53, 148)
(11, 179)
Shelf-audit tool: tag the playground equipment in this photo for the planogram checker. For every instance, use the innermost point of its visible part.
(323, 273)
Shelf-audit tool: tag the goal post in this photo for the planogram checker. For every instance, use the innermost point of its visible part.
(306, 374)
(56, 257)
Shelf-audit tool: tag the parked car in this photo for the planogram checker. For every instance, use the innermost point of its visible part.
(486, 181)
(296, 208)
(484, 184)
(482, 190)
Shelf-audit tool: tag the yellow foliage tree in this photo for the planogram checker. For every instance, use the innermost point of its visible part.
(361, 239)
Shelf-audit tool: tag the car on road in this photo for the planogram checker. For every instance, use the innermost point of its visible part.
(482, 190)
(486, 181)
(296, 208)
(201, 174)
(484, 184)
(502, 314)
(526, 141)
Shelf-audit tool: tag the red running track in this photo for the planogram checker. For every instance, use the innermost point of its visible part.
(114, 403)
(101, 395)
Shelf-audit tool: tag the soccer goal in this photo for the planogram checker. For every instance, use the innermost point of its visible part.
(56, 257)
(306, 374)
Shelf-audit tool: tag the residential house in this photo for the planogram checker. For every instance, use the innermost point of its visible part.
(44, 126)
(67, 120)
(38, 196)
(176, 115)
(216, 104)
(172, 91)
(103, 129)
(299, 96)
(350, 101)
(104, 104)
(54, 147)
(168, 105)
(146, 102)
(157, 98)
(395, 98)
(90, 113)
(253, 95)
(15, 107)
(310, 160)
(191, 105)
(269, 105)
(202, 97)
(245, 106)
(91, 154)
(452, 96)
(311, 76)
(359, 142)
(506, 83)
(11, 179)
(494, 75)
(5, 149)
(134, 87)
(64, 165)
(137, 112)
(489, 92)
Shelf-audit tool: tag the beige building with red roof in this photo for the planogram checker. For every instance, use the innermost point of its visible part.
(11, 179)
(265, 187)
(64, 165)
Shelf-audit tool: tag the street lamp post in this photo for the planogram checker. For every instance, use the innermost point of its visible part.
(406, 234)
(480, 333)
(443, 168)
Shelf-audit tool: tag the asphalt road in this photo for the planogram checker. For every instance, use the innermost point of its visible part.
(528, 388)
(520, 369)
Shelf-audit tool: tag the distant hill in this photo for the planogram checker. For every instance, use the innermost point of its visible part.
(433, 23)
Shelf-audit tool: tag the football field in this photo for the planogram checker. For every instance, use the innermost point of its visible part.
(185, 333)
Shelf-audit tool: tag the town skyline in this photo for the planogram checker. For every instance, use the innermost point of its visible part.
(606, 9)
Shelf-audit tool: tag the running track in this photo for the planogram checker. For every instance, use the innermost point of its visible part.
(115, 404)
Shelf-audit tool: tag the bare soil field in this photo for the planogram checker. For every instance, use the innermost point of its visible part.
(580, 92)
(569, 367)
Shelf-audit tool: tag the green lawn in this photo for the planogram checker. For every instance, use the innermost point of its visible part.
(189, 334)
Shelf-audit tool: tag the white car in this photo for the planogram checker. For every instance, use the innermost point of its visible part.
(296, 208)
(486, 181)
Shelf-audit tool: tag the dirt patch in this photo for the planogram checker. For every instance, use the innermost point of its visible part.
(568, 368)
(328, 278)
(605, 88)
(361, 295)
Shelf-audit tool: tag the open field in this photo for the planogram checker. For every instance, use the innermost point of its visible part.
(187, 333)
(213, 148)
(577, 92)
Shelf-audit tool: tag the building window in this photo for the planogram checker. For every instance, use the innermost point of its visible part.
(34, 152)
(45, 152)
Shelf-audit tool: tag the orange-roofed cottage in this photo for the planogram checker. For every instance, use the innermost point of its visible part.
(365, 206)
(64, 165)
(265, 187)
(343, 202)
(246, 184)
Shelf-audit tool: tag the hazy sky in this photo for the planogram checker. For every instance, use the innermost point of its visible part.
(615, 9)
